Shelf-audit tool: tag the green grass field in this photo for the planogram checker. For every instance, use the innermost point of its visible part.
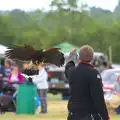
(57, 110)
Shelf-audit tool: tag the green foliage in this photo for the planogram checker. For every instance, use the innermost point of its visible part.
(6, 35)
(68, 23)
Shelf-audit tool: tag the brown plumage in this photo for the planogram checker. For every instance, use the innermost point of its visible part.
(28, 53)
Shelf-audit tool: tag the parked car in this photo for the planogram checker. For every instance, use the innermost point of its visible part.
(57, 81)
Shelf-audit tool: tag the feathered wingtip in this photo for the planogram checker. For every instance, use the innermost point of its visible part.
(9, 49)
(14, 46)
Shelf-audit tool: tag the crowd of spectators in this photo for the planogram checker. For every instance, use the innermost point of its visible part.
(11, 74)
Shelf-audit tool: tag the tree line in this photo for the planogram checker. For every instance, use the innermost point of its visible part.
(65, 22)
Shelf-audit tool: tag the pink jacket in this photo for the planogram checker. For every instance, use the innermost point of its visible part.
(20, 78)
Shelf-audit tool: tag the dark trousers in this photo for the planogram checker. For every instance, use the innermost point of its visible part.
(87, 117)
(7, 103)
(1, 86)
(43, 99)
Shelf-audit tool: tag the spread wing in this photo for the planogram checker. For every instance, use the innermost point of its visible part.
(23, 53)
(54, 56)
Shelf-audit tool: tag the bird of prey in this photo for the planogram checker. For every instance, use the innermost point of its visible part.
(36, 57)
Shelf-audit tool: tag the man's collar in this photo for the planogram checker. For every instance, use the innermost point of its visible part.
(87, 63)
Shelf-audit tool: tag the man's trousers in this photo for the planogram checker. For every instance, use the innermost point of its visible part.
(86, 117)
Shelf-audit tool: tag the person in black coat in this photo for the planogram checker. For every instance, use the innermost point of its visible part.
(86, 101)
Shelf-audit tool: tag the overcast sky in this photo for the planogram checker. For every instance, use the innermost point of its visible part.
(34, 4)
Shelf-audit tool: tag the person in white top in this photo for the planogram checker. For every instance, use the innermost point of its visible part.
(41, 83)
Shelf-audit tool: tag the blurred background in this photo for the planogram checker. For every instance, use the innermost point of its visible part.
(66, 24)
(49, 23)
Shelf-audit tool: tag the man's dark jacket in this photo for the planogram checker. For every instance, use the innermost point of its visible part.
(86, 93)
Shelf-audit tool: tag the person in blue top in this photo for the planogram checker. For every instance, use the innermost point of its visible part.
(2, 74)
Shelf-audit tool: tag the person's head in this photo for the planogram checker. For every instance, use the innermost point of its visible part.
(7, 63)
(15, 68)
(110, 65)
(25, 65)
(73, 49)
(86, 53)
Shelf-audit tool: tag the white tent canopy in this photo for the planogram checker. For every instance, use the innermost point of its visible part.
(2, 49)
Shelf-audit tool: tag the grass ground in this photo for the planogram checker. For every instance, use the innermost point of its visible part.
(56, 111)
